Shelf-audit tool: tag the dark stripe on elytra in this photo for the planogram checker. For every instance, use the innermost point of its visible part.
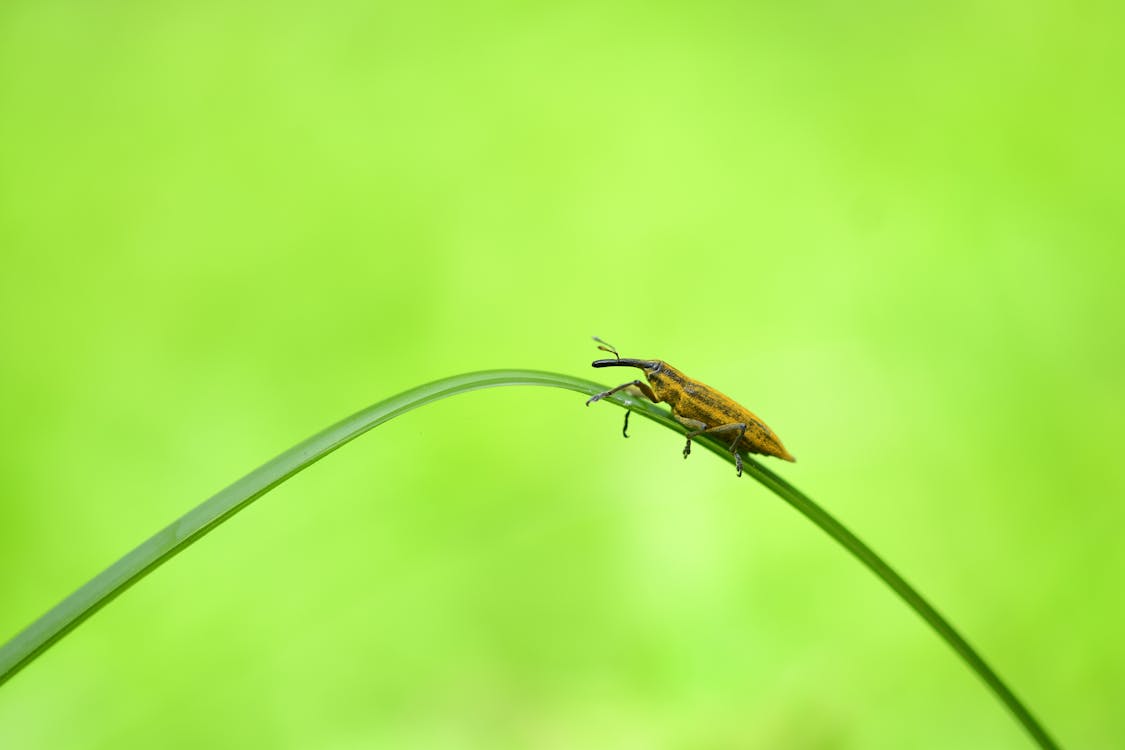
(720, 404)
(708, 412)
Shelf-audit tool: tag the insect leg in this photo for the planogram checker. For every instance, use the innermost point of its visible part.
(640, 384)
(625, 429)
(691, 424)
(739, 426)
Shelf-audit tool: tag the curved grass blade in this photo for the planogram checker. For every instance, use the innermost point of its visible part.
(173, 539)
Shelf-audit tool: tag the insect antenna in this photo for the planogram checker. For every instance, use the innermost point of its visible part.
(605, 346)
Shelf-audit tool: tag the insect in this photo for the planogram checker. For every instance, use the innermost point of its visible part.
(699, 407)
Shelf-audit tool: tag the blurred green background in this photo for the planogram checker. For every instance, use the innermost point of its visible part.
(895, 232)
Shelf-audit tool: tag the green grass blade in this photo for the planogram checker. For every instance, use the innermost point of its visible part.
(173, 539)
(192, 526)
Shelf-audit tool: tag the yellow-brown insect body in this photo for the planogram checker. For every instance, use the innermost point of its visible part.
(693, 401)
(699, 407)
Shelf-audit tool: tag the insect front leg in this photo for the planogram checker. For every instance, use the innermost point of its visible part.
(739, 427)
(640, 384)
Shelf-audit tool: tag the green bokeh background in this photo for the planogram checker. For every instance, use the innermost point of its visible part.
(895, 231)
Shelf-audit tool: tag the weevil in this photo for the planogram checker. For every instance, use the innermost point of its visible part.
(698, 407)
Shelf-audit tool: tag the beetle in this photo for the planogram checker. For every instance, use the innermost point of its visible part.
(698, 407)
